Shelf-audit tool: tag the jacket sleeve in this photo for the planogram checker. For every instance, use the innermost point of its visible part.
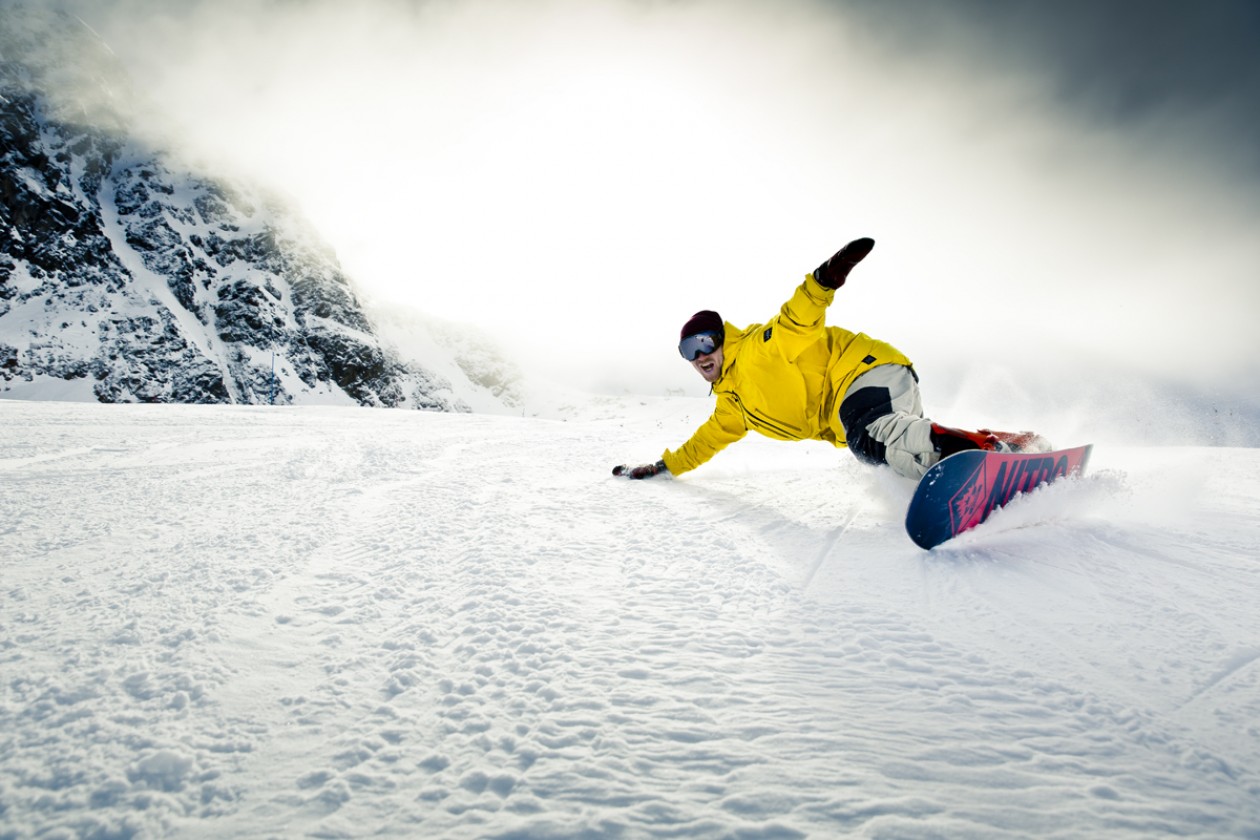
(803, 318)
(722, 429)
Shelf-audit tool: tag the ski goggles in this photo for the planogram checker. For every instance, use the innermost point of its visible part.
(701, 344)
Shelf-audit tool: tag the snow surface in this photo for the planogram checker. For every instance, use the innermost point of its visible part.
(343, 622)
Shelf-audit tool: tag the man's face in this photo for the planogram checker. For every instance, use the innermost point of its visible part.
(710, 366)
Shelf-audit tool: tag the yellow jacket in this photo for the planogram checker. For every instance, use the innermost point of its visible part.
(784, 378)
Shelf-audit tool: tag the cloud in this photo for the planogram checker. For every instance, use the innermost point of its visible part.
(580, 177)
(1111, 62)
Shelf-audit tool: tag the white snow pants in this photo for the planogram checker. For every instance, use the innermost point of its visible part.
(882, 415)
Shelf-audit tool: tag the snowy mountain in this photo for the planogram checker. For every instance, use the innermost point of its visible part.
(125, 276)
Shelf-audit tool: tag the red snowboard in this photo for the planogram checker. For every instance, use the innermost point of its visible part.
(961, 491)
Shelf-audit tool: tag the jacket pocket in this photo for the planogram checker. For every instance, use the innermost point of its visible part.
(778, 428)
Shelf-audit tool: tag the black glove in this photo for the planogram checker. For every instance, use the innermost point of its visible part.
(832, 273)
(644, 471)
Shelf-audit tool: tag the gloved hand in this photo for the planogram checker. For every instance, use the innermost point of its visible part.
(832, 273)
(643, 471)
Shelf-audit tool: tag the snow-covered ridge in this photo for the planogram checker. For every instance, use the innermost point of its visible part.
(125, 276)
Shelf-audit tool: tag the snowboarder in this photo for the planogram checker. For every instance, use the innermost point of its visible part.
(794, 378)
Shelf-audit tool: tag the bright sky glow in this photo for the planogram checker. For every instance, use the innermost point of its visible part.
(580, 177)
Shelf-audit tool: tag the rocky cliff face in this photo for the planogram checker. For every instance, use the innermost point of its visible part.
(125, 277)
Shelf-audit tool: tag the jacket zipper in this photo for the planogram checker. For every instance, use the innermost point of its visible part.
(773, 425)
(780, 427)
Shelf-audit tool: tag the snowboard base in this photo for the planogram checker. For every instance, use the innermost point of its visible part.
(960, 492)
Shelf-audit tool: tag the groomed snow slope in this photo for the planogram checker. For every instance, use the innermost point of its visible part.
(254, 622)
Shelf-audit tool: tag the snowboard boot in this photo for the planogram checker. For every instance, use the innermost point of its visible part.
(949, 441)
(1019, 441)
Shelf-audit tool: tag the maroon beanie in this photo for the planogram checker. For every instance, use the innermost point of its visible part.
(704, 321)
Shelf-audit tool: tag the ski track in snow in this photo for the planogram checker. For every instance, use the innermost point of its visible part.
(337, 622)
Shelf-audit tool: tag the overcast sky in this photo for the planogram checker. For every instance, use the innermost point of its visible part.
(1065, 185)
